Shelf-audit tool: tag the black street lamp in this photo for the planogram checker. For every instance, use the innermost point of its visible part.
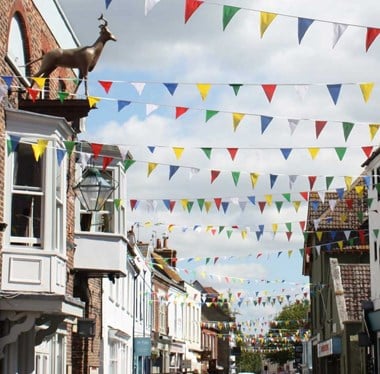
(93, 189)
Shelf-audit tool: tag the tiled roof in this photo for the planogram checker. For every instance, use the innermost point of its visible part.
(161, 265)
(346, 214)
(355, 280)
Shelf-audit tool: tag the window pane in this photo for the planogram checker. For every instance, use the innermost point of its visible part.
(27, 171)
(26, 216)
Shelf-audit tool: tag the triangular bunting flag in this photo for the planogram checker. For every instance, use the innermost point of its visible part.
(254, 177)
(39, 148)
(60, 155)
(236, 118)
(190, 7)
(40, 82)
(313, 152)
(329, 180)
(210, 113)
(178, 152)
(207, 152)
(338, 30)
(33, 92)
(334, 90)
(151, 167)
(232, 152)
(203, 89)
(272, 178)
(366, 89)
(303, 25)
(265, 121)
(149, 4)
(179, 111)
(347, 128)
(319, 126)
(122, 104)
(96, 149)
(340, 151)
(139, 87)
(62, 96)
(286, 152)
(106, 162)
(92, 101)
(12, 143)
(214, 175)
(235, 177)
(7, 80)
(372, 34)
(373, 128)
(172, 170)
(269, 90)
(236, 87)
(171, 87)
(312, 180)
(106, 85)
(367, 150)
(265, 20)
(228, 13)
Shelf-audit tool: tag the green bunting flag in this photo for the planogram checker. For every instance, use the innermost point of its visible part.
(127, 163)
(347, 128)
(210, 113)
(228, 13)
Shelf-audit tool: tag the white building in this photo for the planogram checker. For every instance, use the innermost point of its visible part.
(192, 327)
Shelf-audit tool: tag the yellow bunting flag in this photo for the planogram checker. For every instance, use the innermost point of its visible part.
(274, 227)
(268, 199)
(171, 227)
(151, 167)
(373, 128)
(39, 148)
(208, 228)
(319, 235)
(313, 152)
(265, 20)
(244, 234)
(40, 82)
(148, 224)
(366, 89)
(290, 253)
(348, 181)
(184, 203)
(343, 217)
(296, 205)
(237, 117)
(359, 190)
(178, 152)
(92, 101)
(208, 205)
(203, 89)
(254, 178)
(340, 244)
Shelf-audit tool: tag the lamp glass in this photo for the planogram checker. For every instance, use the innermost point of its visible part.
(93, 190)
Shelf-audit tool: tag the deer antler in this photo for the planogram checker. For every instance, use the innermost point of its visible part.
(101, 18)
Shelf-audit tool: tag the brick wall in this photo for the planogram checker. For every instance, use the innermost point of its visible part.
(38, 39)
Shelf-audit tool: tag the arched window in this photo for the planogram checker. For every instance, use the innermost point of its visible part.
(16, 47)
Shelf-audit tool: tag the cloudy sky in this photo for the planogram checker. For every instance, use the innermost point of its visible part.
(160, 48)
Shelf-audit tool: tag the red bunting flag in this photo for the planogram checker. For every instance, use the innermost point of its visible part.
(232, 152)
(319, 126)
(367, 150)
(289, 235)
(133, 203)
(179, 111)
(312, 179)
(302, 225)
(305, 195)
(106, 85)
(269, 90)
(96, 149)
(218, 201)
(171, 205)
(190, 7)
(214, 175)
(349, 203)
(262, 205)
(33, 93)
(106, 162)
(372, 34)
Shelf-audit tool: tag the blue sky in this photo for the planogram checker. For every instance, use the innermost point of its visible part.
(160, 48)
